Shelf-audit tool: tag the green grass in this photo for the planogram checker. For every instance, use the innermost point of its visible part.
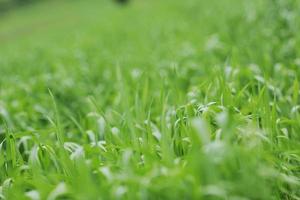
(154, 100)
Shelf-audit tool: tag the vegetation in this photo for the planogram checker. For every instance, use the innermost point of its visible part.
(151, 100)
(6, 5)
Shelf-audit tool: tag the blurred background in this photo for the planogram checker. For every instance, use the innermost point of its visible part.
(6, 5)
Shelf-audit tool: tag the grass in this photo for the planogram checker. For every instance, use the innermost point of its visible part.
(152, 100)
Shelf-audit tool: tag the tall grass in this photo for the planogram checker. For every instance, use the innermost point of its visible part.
(153, 100)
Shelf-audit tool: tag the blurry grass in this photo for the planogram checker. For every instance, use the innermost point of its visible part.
(153, 100)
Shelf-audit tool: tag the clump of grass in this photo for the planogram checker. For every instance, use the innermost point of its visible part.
(155, 100)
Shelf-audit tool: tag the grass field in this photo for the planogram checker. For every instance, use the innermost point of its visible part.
(155, 99)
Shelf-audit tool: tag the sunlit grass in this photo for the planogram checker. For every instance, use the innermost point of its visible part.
(151, 100)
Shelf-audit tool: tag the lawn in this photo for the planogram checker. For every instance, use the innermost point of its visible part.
(160, 99)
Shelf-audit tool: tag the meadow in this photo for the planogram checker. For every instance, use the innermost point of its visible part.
(153, 99)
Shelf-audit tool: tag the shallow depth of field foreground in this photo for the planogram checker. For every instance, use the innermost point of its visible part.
(150, 99)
